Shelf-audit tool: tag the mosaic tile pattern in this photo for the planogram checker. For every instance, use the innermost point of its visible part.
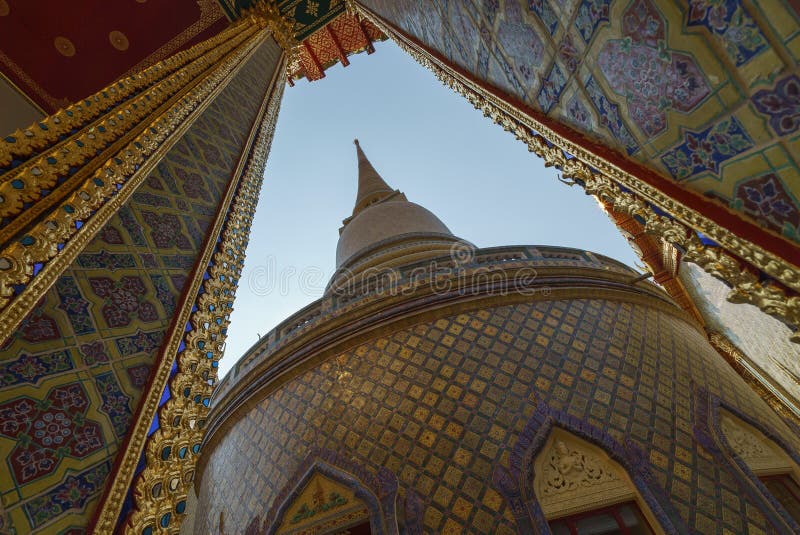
(442, 404)
(98, 330)
(656, 73)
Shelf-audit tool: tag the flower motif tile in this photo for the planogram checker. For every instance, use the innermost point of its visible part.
(731, 23)
(546, 14)
(111, 235)
(610, 117)
(70, 496)
(767, 199)
(193, 185)
(141, 342)
(518, 38)
(48, 432)
(578, 115)
(106, 260)
(94, 352)
(781, 105)
(591, 14)
(74, 305)
(652, 78)
(39, 326)
(705, 151)
(138, 375)
(164, 294)
(166, 230)
(131, 226)
(31, 368)
(125, 300)
(551, 89)
(569, 54)
(115, 402)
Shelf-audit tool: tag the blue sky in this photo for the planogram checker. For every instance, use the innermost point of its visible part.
(426, 141)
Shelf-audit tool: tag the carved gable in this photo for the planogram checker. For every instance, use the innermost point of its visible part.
(761, 455)
(572, 475)
(323, 506)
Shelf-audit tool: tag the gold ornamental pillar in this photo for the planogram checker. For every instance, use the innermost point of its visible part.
(190, 133)
(62, 178)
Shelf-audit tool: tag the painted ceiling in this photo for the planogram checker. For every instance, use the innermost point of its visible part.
(309, 15)
(71, 53)
(340, 38)
(56, 53)
(704, 94)
(326, 33)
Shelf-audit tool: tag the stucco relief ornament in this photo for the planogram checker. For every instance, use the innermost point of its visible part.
(745, 444)
(570, 470)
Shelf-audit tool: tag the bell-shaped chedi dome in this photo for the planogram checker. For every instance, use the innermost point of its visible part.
(386, 229)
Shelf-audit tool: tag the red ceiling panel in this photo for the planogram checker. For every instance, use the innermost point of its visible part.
(58, 52)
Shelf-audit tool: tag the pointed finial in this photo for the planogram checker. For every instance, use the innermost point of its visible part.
(383, 215)
(371, 186)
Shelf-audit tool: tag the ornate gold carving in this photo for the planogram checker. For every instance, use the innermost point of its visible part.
(603, 179)
(744, 443)
(183, 419)
(27, 182)
(25, 142)
(570, 470)
(55, 241)
(745, 283)
(265, 14)
(321, 506)
(571, 475)
(760, 454)
(312, 8)
(112, 500)
(351, 7)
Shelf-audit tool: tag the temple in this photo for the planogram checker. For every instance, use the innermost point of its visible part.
(434, 387)
(499, 390)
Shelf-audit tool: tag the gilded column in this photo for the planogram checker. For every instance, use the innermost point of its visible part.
(171, 451)
(66, 176)
(125, 218)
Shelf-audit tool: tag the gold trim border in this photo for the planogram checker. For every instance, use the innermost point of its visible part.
(108, 509)
(16, 309)
(193, 361)
(121, 125)
(35, 138)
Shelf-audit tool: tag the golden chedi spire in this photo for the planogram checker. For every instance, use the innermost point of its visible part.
(386, 229)
(371, 187)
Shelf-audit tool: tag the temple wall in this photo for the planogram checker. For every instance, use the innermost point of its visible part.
(444, 403)
(82, 357)
(699, 93)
